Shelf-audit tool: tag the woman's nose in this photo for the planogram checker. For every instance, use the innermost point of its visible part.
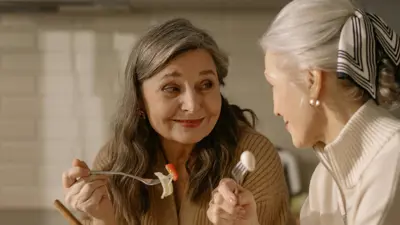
(276, 112)
(191, 101)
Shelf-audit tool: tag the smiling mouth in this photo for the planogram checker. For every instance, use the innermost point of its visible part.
(190, 123)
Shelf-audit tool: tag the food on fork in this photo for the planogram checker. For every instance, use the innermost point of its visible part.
(248, 160)
(172, 171)
(166, 181)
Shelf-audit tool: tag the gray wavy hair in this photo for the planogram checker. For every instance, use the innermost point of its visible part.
(307, 32)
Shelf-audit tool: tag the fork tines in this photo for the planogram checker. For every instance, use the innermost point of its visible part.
(239, 172)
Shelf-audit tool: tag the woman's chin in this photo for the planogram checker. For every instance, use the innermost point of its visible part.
(188, 139)
(298, 142)
(301, 144)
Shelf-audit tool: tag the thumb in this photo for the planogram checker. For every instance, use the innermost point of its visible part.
(79, 163)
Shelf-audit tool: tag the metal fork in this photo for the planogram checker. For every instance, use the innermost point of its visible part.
(246, 164)
(145, 181)
(239, 172)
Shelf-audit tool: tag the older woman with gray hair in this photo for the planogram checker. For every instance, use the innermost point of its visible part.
(172, 112)
(334, 72)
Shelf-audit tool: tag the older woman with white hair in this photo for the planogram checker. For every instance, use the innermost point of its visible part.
(334, 71)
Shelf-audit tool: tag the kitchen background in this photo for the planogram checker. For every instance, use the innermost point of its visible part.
(60, 77)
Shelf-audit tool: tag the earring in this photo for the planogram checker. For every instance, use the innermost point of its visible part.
(314, 102)
(142, 114)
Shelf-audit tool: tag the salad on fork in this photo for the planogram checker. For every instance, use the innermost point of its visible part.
(166, 180)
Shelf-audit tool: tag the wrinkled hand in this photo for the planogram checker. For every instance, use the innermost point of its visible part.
(87, 194)
(228, 208)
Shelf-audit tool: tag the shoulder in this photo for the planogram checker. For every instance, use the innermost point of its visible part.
(383, 177)
(320, 173)
(388, 182)
(387, 161)
(320, 185)
(385, 167)
(392, 146)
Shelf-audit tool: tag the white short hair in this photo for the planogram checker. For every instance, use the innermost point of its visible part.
(308, 31)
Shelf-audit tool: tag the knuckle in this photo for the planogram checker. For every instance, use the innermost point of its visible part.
(82, 208)
(211, 214)
(67, 199)
(213, 210)
(79, 170)
(70, 202)
(225, 180)
(214, 192)
(222, 187)
(64, 176)
(219, 210)
(81, 181)
(91, 185)
(87, 187)
(218, 199)
(103, 190)
(222, 181)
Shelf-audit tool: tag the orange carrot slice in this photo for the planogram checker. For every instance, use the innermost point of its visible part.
(171, 170)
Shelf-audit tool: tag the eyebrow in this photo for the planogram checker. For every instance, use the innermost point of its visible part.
(207, 72)
(177, 74)
(171, 74)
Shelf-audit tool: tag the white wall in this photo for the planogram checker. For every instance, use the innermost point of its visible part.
(58, 83)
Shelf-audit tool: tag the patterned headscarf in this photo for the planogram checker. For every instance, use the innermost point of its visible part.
(361, 37)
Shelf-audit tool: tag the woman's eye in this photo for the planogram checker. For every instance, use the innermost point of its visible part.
(207, 85)
(170, 89)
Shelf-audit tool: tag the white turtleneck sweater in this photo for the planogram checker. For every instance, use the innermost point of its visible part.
(357, 180)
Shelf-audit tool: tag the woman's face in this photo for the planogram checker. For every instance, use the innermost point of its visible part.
(183, 100)
(291, 102)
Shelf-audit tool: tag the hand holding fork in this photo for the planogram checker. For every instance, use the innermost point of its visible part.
(230, 202)
(89, 194)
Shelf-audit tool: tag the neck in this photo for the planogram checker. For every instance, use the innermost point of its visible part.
(336, 118)
(176, 153)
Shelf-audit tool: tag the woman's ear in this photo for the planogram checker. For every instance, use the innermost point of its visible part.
(314, 81)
